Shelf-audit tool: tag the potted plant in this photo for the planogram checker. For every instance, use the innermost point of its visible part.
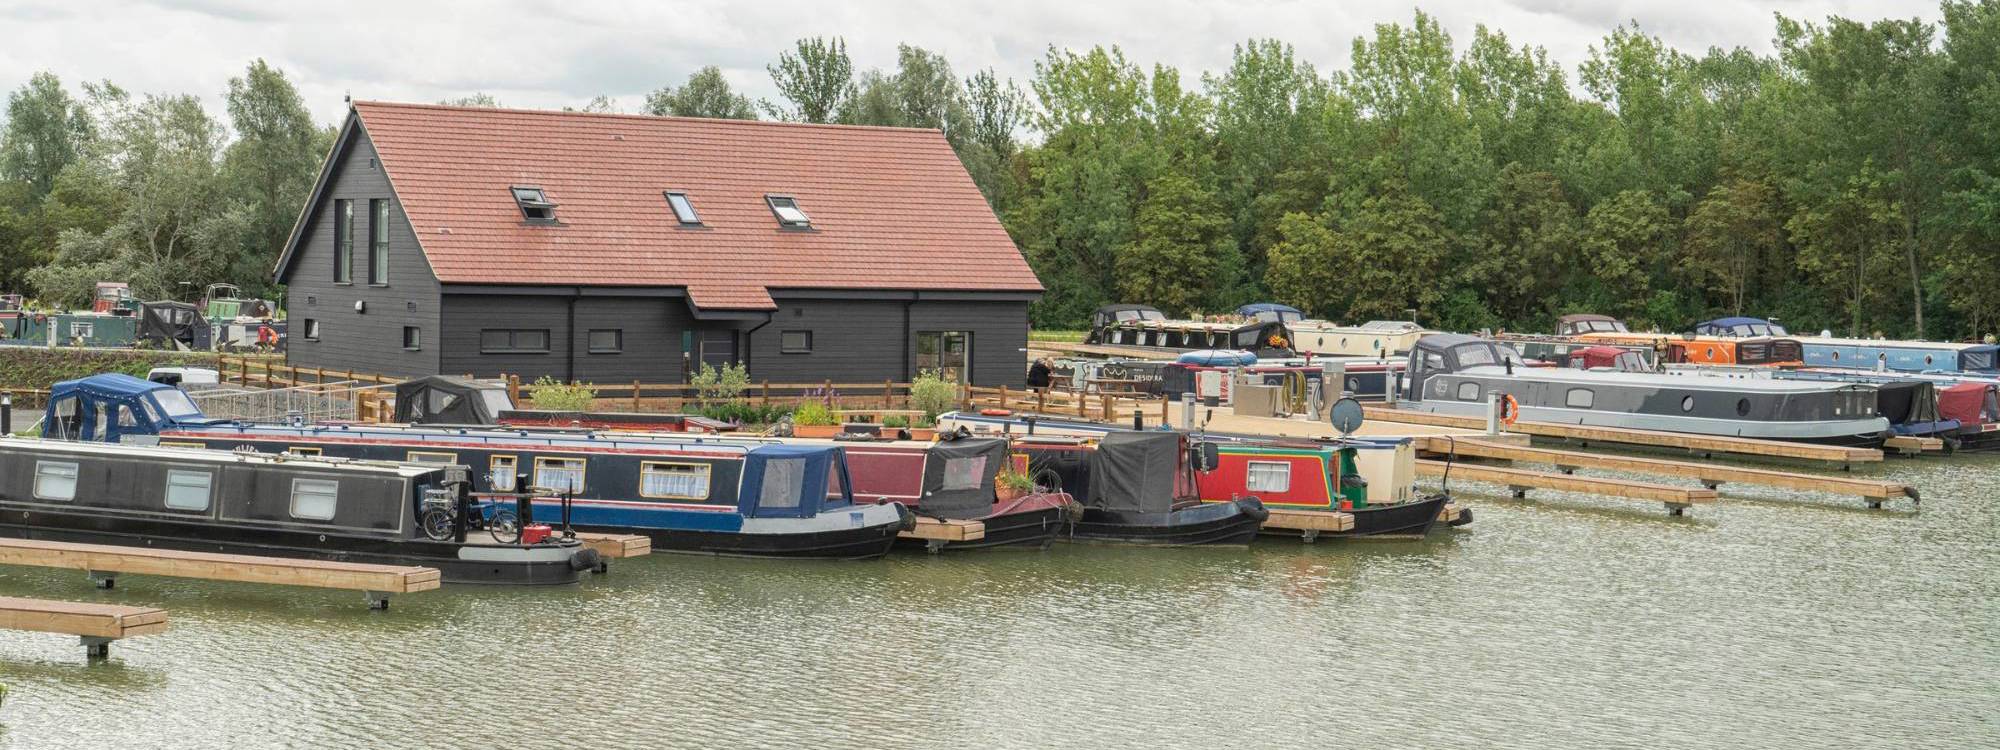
(896, 422)
(1011, 484)
(924, 430)
(813, 420)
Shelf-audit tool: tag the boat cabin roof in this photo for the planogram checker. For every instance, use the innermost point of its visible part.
(200, 455)
(1740, 326)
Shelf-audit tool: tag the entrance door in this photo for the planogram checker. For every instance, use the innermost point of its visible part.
(718, 348)
(948, 352)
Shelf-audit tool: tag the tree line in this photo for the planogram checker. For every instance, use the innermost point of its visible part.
(1849, 181)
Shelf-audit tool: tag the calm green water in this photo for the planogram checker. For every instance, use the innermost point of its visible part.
(1559, 623)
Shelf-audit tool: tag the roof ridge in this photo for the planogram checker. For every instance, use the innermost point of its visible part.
(357, 103)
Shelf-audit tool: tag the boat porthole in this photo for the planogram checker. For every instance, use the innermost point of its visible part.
(1353, 384)
(322, 538)
(1836, 356)
(1927, 359)
(1687, 403)
(1742, 407)
(1711, 352)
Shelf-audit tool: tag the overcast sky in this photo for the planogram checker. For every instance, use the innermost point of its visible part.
(551, 53)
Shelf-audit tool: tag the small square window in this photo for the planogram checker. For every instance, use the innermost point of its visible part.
(312, 329)
(795, 342)
(188, 490)
(534, 203)
(1269, 476)
(788, 212)
(500, 473)
(412, 338)
(607, 340)
(55, 480)
(314, 499)
(683, 209)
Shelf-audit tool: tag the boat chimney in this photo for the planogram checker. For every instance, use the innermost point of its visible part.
(1508, 362)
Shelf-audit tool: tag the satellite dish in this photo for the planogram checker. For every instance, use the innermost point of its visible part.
(1347, 415)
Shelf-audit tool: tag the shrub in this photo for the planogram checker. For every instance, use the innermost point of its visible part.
(1011, 479)
(813, 413)
(895, 420)
(550, 394)
(933, 394)
(716, 386)
(743, 413)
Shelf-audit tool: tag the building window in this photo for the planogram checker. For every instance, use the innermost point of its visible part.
(500, 473)
(535, 205)
(378, 241)
(312, 329)
(412, 338)
(673, 481)
(1269, 476)
(606, 340)
(188, 490)
(343, 241)
(789, 214)
(948, 353)
(514, 341)
(559, 474)
(314, 499)
(795, 342)
(1580, 398)
(683, 210)
(55, 480)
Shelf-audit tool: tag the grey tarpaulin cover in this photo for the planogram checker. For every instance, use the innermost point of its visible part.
(958, 477)
(1135, 471)
(177, 323)
(439, 399)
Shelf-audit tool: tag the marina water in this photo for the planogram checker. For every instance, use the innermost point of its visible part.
(1555, 622)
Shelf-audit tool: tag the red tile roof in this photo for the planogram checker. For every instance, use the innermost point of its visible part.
(891, 208)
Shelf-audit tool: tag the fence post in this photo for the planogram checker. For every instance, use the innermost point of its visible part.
(1003, 395)
(828, 394)
(514, 389)
(243, 371)
(319, 376)
(1041, 400)
(1165, 413)
(765, 399)
(888, 393)
(635, 395)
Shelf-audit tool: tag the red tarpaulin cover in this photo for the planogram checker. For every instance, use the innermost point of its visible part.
(1962, 402)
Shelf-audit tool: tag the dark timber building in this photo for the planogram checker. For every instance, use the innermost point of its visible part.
(613, 248)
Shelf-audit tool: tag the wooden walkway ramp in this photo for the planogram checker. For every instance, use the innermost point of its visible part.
(616, 546)
(104, 562)
(1519, 481)
(937, 532)
(1873, 492)
(1698, 443)
(1307, 524)
(96, 624)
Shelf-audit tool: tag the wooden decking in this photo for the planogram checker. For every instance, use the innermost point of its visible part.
(104, 562)
(1874, 492)
(1308, 524)
(1677, 499)
(1617, 435)
(937, 532)
(618, 546)
(96, 624)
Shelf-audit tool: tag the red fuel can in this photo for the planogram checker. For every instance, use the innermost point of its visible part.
(535, 533)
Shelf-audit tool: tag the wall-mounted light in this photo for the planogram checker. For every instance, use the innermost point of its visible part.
(361, 306)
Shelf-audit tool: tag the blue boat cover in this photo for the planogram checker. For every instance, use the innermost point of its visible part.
(1271, 311)
(1218, 358)
(127, 406)
(793, 481)
(1727, 327)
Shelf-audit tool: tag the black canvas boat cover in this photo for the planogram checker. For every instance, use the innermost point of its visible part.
(440, 399)
(959, 477)
(1911, 402)
(1136, 471)
(176, 324)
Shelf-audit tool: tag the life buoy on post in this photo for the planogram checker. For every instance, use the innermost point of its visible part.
(1510, 409)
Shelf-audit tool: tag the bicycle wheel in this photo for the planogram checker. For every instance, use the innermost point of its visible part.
(505, 526)
(436, 524)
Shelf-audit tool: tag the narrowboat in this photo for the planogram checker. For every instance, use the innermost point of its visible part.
(956, 479)
(276, 506)
(1455, 374)
(1886, 355)
(1378, 339)
(1146, 327)
(1317, 475)
(1365, 379)
(1702, 346)
(1914, 405)
(447, 400)
(689, 496)
(1139, 488)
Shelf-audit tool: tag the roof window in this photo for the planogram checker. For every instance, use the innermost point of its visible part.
(683, 209)
(788, 212)
(535, 205)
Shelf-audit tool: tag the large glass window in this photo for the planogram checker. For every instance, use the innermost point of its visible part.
(606, 340)
(188, 489)
(378, 241)
(559, 474)
(55, 480)
(514, 341)
(947, 352)
(343, 241)
(673, 480)
(964, 473)
(1269, 476)
(314, 499)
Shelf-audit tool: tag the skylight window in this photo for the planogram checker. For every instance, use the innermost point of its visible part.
(535, 205)
(683, 209)
(789, 214)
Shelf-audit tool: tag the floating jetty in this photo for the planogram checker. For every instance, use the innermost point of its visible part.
(105, 562)
(1585, 435)
(96, 625)
(1519, 481)
(1874, 492)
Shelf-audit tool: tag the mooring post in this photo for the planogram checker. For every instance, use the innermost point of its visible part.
(377, 600)
(7, 413)
(96, 647)
(102, 579)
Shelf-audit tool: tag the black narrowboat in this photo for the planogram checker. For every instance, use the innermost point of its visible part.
(1139, 488)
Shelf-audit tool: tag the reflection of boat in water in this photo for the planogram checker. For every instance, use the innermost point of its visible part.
(1139, 488)
(1455, 374)
(271, 506)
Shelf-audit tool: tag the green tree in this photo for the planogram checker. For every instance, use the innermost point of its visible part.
(475, 99)
(1304, 269)
(1529, 247)
(45, 132)
(269, 169)
(706, 94)
(817, 80)
(1626, 247)
(1732, 233)
(1180, 238)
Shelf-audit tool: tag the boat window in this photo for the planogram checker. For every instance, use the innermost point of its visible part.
(964, 473)
(1976, 361)
(1742, 407)
(176, 403)
(559, 474)
(439, 401)
(1687, 403)
(673, 480)
(1269, 476)
(1470, 355)
(426, 457)
(1468, 391)
(1580, 398)
(302, 450)
(784, 481)
(188, 490)
(55, 480)
(500, 473)
(1246, 339)
(314, 499)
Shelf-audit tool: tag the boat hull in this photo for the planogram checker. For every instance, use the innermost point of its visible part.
(1026, 529)
(1413, 519)
(1232, 523)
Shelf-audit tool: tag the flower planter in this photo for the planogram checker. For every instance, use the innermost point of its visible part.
(1008, 494)
(925, 434)
(815, 430)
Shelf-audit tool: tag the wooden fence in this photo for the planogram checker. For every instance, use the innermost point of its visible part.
(1101, 407)
(670, 397)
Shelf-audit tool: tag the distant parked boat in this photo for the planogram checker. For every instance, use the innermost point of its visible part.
(1380, 339)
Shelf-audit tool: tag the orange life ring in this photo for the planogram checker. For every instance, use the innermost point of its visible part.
(995, 412)
(1510, 409)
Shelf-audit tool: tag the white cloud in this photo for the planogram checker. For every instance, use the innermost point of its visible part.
(551, 53)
